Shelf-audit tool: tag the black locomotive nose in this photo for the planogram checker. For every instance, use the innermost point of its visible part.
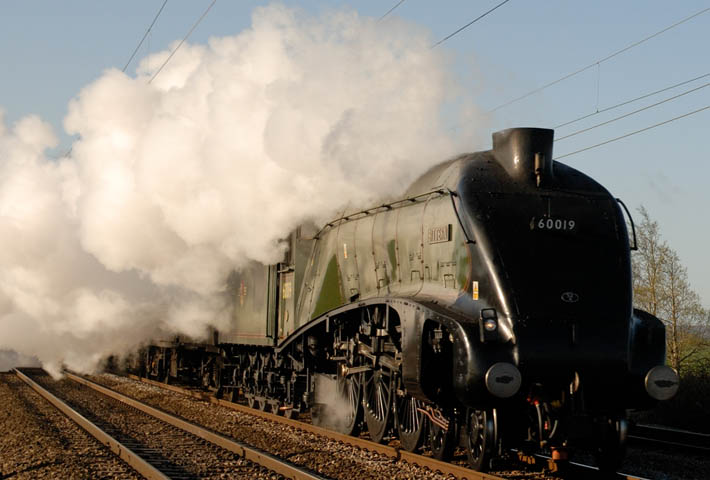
(525, 153)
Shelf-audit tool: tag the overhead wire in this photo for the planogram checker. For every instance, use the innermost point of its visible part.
(171, 53)
(160, 69)
(602, 60)
(145, 35)
(469, 24)
(632, 113)
(391, 10)
(633, 133)
(626, 102)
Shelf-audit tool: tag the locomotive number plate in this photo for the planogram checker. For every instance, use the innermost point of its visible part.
(440, 234)
(553, 224)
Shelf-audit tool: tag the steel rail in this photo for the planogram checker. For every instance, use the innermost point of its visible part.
(670, 437)
(124, 453)
(580, 471)
(432, 464)
(575, 470)
(264, 459)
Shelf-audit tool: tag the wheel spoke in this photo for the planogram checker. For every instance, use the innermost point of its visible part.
(415, 415)
(480, 438)
(346, 421)
(442, 442)
(378, 394)
(409, 422)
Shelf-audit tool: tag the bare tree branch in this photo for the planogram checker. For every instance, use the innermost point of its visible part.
(662, 288)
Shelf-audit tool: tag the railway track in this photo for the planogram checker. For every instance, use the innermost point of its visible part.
(571, 470)
(402, 459)
(665, 438)
(38, 441)
(431, 464)
(154, 443)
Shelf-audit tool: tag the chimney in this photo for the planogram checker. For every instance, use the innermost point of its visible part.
(525, 153)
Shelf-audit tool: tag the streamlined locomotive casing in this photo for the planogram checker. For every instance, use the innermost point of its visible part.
(492, 301)
(557, 245)
(505, 237)
(534, 244)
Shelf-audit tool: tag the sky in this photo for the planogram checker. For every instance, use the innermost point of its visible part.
(51, 50)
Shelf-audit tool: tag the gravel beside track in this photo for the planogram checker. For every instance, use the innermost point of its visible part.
(659, 463)
(348, 463)
(39, 442)
(177, 453)
(666, 465)
(327, 457)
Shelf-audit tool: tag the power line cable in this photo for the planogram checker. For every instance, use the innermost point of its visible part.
(145, 36)
(391, 10)
(631, 101)
(631, 113)
(633, 133)
(182, 41)
(608, 57)
(171, 53)
(469, 24)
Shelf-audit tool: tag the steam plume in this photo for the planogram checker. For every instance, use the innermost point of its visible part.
(174, 183)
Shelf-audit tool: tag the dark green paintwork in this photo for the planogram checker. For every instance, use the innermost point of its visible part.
(388, 255)
(392, 251)
(330, 295)
(395, 258)
(253, 301)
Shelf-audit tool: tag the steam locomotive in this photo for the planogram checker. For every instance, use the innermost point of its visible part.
(489, 308)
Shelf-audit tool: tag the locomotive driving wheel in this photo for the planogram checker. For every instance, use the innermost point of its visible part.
(343, 413)
(612, 443)
(350, 391)
(410, 420)
(480, 438)
(442, 442)
(377, 402)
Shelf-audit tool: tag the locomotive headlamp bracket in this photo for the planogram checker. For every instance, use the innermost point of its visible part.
(488, 325)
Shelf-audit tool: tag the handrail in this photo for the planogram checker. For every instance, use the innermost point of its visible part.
(633, 227)
(377, 209)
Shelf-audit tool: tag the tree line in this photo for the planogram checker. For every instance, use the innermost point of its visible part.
(661, 287)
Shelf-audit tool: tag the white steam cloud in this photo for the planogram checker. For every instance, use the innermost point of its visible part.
(10, 359)
(174, 183)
